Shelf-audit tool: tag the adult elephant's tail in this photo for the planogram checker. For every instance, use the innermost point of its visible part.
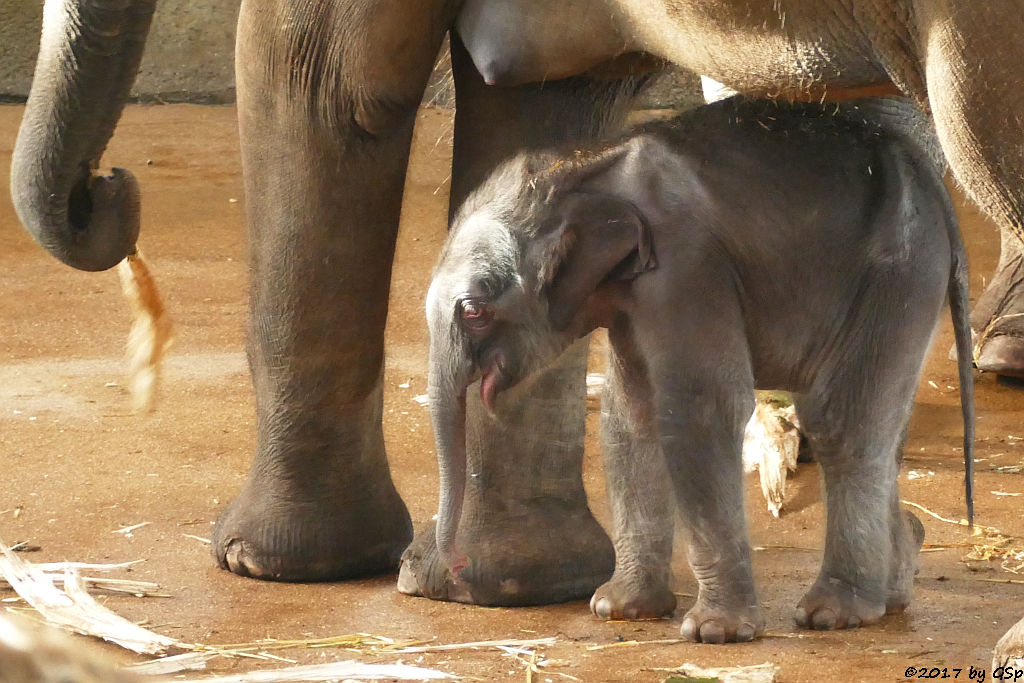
(88, 57)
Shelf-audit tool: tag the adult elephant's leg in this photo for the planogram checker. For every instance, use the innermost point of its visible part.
(326, 124)
(973, 58)
(526, 528)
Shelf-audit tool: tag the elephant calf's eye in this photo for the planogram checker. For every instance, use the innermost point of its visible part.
(476, 315)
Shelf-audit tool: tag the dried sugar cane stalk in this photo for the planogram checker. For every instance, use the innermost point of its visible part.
(74, 609)
(151, 333)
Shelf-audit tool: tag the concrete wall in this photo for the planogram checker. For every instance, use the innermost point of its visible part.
(189, 55)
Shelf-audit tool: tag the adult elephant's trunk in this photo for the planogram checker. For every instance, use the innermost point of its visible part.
(88, 57)
(447, 381)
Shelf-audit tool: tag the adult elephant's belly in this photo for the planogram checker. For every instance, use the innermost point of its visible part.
(751, 46)
(512, 42)
(763, 46)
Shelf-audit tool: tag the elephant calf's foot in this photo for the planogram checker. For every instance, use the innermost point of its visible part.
(707, 622)
(832, 604)
(335, 538)
(901, 580)
(628, 599)
(551, 554)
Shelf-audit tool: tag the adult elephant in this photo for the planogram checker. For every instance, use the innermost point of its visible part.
(327, 92)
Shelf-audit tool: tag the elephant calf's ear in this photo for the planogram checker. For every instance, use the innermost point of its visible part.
(597, 237)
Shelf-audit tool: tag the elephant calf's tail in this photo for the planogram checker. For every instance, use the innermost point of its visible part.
(958, 307)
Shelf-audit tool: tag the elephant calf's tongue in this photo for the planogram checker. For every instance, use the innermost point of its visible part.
(489, 388)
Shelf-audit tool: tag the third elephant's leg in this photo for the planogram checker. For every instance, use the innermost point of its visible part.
(526, 527)
(327, 95)
(998, 316)
(643, 509)
(973, 56)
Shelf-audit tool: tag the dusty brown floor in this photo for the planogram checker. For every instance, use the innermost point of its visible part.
(78, 465)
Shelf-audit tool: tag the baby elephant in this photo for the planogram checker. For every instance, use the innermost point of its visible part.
(746, 244)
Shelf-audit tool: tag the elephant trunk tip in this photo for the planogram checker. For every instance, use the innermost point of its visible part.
(92, 227)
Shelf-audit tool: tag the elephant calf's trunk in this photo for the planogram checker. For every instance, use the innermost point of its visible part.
(448, 413)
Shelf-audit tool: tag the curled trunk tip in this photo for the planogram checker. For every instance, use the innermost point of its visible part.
(89, 54)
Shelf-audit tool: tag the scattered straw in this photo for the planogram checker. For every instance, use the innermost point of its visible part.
(533, 665)
(140, 589)
(636, 643)
(151, 333)
(363, 643)
(987, 543)
(332, 672)
(535, 642)
(758, 673)
(198, 538)
(127, 530)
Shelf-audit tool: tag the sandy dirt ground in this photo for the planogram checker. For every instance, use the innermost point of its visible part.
(78, 465)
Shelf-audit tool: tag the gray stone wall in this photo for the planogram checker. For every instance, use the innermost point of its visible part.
(189, 55)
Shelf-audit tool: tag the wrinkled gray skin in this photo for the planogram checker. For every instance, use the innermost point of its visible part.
(327, 93)
(743, 245)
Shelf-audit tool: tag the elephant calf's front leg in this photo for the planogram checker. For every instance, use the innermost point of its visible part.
(701, 427)
(642, 506)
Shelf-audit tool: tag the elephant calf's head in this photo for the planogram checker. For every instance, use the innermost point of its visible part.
(526, 270)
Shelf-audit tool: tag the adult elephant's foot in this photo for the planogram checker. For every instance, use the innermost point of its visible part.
(717, 622)
(998, 316)
(832, 604)
(548, 552)
(265, 535)
(630, 597)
